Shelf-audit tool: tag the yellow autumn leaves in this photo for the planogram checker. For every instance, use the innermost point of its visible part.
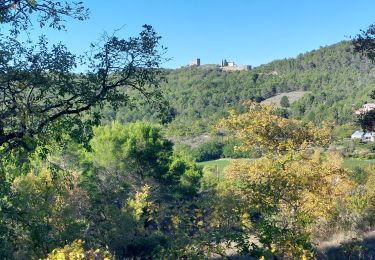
(261, 127)
(75, 251)
(292, 185)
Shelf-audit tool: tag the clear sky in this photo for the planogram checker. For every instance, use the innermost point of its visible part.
(250, 32)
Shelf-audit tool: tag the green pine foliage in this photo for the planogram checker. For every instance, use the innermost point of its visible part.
(337, 82)
(284, 102)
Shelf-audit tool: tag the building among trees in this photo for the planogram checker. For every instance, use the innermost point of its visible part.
(196, 62)
(364, 137)
(232, 66)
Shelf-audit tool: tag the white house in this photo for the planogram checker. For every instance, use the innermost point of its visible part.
(364, 137)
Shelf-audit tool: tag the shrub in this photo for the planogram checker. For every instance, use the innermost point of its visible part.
(210, 150)
(284, 102)
(230, 150)
(343, 131)
(359, 175)
(76, 251)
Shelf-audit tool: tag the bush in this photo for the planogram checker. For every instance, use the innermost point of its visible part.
(210, 150)
(76, 251)
(370, 146)
(282, 112)
(359, 175)
(183, 150)
(284, 102)
(216, 149)
(230, 150)
(343, 131)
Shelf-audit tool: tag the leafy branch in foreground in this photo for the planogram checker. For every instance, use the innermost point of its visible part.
(19, 13)
(38, 86)
(364, 43)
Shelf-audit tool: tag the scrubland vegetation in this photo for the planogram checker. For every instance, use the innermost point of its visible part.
(131, 161)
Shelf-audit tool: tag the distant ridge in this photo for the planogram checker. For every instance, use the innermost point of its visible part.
(334, 80)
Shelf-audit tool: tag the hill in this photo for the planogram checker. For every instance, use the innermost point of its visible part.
(337, 82)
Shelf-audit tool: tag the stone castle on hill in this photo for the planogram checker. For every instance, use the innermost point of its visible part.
(231, 66)
(196, 62)
(225, 65)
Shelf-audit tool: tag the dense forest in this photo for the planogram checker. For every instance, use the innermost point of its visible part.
(337, 82)
(107, 162)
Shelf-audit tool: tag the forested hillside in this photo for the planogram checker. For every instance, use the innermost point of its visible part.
(106, 155)
(337, 81)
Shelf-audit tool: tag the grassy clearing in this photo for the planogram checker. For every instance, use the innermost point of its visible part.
(214, 170)
(292, 96)
(220, 164)
(217, 167)
(352, 163)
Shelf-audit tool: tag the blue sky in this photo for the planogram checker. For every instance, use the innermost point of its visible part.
(250, 32)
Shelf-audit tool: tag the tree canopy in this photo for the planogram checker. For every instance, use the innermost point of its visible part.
(43, 92)
(290, 187)
(19, 13)
(364, 43)
(115, 189)
(335, 80)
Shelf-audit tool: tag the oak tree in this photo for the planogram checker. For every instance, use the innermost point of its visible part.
(283, 193)
(45, 88)
(19, 14)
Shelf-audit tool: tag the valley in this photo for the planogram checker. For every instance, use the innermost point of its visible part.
(117, 147)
